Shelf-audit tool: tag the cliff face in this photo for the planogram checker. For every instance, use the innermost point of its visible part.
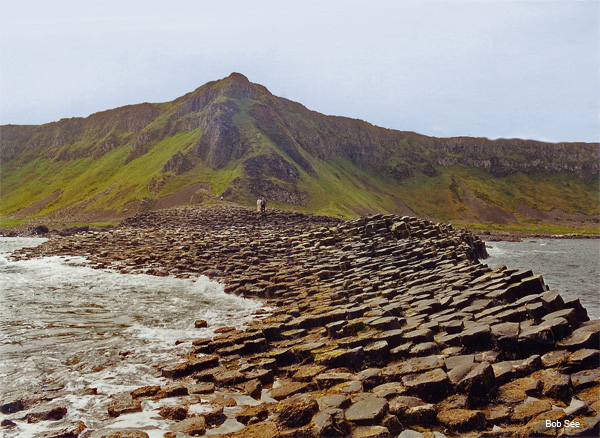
(243, 142)
(504, 157)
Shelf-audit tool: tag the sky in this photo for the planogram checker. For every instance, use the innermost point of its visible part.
(482, 68)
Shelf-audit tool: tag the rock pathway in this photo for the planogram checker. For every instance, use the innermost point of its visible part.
(381, 326)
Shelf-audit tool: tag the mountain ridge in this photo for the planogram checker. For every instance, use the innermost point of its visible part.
(241, 141)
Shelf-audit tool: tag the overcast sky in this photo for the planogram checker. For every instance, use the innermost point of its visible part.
(503, 68)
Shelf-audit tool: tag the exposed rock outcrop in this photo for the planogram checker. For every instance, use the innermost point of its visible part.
(381, 325)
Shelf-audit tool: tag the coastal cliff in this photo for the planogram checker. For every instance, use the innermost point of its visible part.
(234, 138)
(381, 326)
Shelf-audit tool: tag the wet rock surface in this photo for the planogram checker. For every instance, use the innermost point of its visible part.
(380, 326)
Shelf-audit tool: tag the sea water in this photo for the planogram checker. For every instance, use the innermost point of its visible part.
(82, 334)
(572, 266)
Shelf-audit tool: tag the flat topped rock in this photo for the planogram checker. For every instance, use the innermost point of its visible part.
(414, 365)
(118, 433)
(370, 432)
(296, 411)
(340, 401)
(367, 411)
(287, 389)
(586, 336)
(461, 419)
(430, 385)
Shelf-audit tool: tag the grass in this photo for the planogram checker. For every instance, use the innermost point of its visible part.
(531, 228)
(342, 188)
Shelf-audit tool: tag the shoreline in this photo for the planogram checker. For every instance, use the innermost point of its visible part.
(379, 325)
(517, 236)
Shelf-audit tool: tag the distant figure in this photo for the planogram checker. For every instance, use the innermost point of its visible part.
(263, 204)
(258, 205)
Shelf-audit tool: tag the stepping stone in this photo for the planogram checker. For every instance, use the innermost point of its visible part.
(253, 414)
(555, 358)
(173, 412)
(586, 336)
(386, 323)
(370, 378)
(569, 314)
(229, 378)
(424, 349)
(190, 426)
(389, 390)
(287, 389)
(308, 372)
(327, 380)
(585, 379)
(536, 338)
(529, 409)
(477, 337)
(339, 401)
(461, 360)
(392, 337)
(341, 357)
(145, 391)
(430, 385)
(330, 422)
(417, 336)
(584, 358)
(519, 390)
(123, 404)
(296, 411)
(367, 411)
(552, 301)
(377, 352)
(556, 385)
(462, 420)
(185, 369)
(478, 382)
(370, 432)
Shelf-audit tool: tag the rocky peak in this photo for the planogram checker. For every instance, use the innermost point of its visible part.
(237, 86)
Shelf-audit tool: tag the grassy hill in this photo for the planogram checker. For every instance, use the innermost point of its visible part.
(234, 138)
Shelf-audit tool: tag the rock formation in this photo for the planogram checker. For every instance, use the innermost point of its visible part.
(380, 326)
(237, 138)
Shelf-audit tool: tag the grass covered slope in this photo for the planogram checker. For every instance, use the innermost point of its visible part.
(235, 139)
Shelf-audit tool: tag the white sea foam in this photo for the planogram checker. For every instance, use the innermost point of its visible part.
(73, 327)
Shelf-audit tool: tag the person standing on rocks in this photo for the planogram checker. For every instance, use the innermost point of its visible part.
(263, 204)
(258, 205)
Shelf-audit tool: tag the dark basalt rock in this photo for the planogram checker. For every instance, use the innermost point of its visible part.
(379, 325)
(297, 411)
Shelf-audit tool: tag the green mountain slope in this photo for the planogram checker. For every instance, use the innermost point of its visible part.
(234, 138)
